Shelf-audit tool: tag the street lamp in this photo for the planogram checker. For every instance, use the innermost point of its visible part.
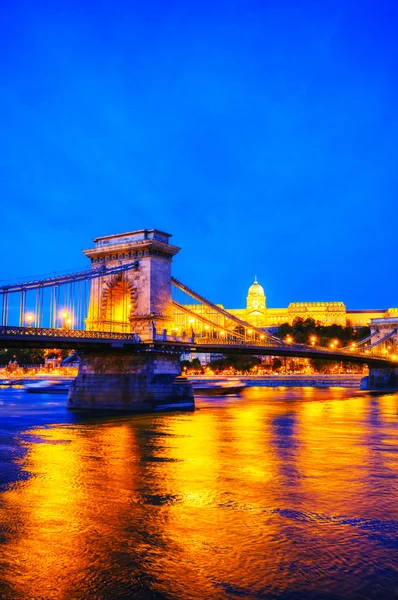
(29, 318)
(64, 316)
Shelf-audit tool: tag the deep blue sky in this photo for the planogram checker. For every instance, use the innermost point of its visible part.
(263, 135)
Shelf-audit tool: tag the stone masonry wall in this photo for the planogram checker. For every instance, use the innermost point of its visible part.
(141, 382)
(381, 379)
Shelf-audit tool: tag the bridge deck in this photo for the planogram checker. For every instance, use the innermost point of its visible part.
(30, 337)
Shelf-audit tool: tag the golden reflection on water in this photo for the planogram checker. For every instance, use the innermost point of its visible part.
(277, 491)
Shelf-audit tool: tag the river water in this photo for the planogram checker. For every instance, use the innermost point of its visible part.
(283, 493)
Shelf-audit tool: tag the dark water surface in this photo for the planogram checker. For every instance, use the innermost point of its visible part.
(284, 493)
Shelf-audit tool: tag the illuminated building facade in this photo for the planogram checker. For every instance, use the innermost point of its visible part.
(327, 313)
(258, 314)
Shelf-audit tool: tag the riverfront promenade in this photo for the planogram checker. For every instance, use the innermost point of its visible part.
(316, 380)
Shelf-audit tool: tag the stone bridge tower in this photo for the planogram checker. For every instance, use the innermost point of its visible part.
(136, 377)
(140, 298)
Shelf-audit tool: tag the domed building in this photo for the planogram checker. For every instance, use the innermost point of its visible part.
(255, 305)
(257, 314)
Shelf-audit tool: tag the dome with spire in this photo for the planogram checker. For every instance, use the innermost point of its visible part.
(255, 296)
(256, 288)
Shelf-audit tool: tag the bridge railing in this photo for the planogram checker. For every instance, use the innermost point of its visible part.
(7, 331)
(20, 333)
(209, 340)
(356, 349)
(198, 339)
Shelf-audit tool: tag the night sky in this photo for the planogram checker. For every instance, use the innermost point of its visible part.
(262, 135)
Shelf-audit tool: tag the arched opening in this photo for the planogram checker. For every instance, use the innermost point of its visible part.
(117, 304)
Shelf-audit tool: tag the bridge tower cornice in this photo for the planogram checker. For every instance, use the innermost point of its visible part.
(127, 251)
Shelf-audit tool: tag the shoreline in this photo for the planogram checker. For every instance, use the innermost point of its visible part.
(316, 380)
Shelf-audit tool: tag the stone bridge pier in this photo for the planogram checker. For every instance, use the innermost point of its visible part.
(141, 382)
(137, 300)
(381, 378)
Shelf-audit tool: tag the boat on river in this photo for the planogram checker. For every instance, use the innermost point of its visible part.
(224, 387)
(11, 382)
(48, 387)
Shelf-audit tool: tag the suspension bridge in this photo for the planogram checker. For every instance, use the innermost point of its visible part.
(128, 317)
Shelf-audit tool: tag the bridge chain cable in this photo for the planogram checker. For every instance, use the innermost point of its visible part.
(61, 300)
(67, 278)
(384, 339)
(363, 340)
(207, 321)
(37, 332)
(371, 349)
(221, 311)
